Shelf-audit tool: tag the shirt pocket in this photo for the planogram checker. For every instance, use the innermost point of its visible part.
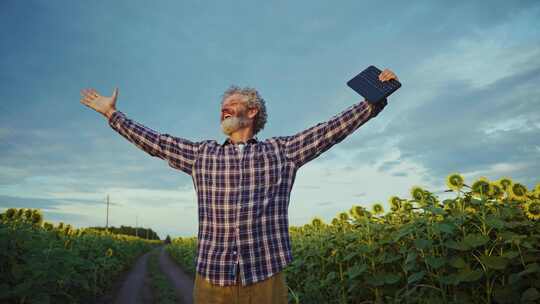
(267, 170)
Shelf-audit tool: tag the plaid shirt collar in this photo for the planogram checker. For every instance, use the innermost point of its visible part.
(252, 140)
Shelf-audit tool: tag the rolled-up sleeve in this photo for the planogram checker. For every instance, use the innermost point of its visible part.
(180, 153)
(310, 143)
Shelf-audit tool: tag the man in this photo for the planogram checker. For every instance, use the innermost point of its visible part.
(243, 187)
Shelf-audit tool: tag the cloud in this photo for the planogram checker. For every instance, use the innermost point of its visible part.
(8, 201)
(49, 203)
(325, 203)
(454, 131)
(163, 198)
(388, 165)
(4, 132)
(73, 219)
(462, 120)
(11, 175)
(309, 187)
(362, 185)
(400, 174)
(84, 163)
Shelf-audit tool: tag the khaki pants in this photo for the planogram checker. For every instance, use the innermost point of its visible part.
(273, 290)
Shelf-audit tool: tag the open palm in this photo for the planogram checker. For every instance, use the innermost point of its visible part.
(102, 104)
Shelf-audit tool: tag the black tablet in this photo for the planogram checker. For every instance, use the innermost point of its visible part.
(368, 85)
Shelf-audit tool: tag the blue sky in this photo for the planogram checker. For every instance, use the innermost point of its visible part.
(469, 102)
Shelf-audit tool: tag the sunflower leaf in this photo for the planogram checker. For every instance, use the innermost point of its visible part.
(415, 277)
(494, 222)
(494, 262)
(475, 240)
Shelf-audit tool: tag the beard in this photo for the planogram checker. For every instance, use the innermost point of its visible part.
(233, 124)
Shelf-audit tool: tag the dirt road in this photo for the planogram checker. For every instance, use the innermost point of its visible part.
(134, 287)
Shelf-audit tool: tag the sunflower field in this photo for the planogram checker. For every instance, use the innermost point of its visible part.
(482, 246)
(44, 263)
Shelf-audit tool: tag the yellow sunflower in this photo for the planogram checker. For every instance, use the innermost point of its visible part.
(532, 209)
(505, 183)
(518, 192)
(449, 204)
(470, 210)
(482, 186)
(358, 212)
(407, 206)
(497, 191)
(377, 208)
(335, 221)
(343, 216)
(537, 190)
(439, 218)
(455, 181)
(418, 193)
(317, 222)
(395, 203)
(109, 252)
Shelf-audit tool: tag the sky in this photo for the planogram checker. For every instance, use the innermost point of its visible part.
(469, 101)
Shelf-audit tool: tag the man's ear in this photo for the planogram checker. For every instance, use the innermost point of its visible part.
(252, 112)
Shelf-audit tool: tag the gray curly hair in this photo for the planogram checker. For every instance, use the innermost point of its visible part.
(253, 100)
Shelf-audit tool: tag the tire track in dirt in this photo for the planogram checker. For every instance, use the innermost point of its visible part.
(135, 288)
(132, 287)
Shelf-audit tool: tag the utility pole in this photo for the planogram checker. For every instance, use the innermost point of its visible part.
(107, 222)
(136, 225)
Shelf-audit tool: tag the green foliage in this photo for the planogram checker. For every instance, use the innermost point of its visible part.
(41, 263)
(184, 252)
(482, 246)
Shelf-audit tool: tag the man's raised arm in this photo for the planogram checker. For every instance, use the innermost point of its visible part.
(180, 153)
(310, 143)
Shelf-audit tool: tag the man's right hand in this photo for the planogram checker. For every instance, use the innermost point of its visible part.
(102, 104)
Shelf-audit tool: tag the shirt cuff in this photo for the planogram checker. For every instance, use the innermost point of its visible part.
(377, 107)
(114, 117)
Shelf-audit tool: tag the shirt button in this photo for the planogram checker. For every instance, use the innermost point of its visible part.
(234, 252)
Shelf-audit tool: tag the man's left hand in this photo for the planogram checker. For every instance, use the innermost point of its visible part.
(387, 75)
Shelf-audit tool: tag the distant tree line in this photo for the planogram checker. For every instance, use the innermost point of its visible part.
(144, 233)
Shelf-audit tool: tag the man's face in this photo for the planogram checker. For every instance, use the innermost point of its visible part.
(234, 114)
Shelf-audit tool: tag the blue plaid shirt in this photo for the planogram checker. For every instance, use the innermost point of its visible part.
(243, 194)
